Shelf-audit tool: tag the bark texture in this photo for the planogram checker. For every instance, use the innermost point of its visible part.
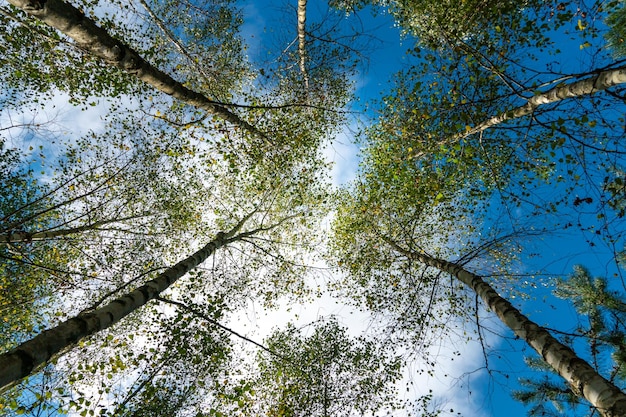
(582, 378)
(599, 82)
(19, 362)
(302, 41)
(97, 41)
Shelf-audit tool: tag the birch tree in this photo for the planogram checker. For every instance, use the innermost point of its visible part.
(89, 36)
(600, 332)
(63, 233)
(302, 41)
(101, 317)
(442, 125)
(324, 373)
(21, 361)
(603, 80)
(212, 193)
(583, 379)
(403, 275)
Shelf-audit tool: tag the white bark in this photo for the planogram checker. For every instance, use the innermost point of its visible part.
(302, 41)
(598, 82)
(21, 361)
(582, 378)
(90, 37)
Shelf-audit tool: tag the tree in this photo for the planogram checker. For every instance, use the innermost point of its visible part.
(584, 380)
(580, 376)
(62, 236)
(192, 173)
(601, 81)
(53, 64)
(293, 121)
(260, 267)
(600, 331)
(447, 97)
(21, 361)
(615, 37)
(302, 41)
(89, 36)
(325, 373)
(18, 283)
(220, 293)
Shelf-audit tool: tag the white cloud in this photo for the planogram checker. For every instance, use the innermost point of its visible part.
(343, 154)
(456, 380)
(48, 129)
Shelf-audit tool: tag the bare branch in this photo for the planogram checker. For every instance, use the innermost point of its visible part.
(203, 316)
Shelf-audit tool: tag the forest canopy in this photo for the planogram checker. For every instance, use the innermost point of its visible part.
(177, 237)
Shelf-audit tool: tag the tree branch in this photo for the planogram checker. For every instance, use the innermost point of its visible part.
(98, 42)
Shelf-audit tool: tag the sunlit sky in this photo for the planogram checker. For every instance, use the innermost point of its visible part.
(461, 382)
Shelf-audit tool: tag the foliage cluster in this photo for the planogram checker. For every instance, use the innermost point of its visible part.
(487, 139)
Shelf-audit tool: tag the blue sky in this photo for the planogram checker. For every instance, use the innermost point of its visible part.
(473, 393)
(467, 387)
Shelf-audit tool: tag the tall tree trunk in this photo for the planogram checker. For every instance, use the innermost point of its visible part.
(599, 82)
(582, 378)
(98, 42)
(20, 362)
(302, 41)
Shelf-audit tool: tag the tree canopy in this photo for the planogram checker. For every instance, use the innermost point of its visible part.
(164, 171)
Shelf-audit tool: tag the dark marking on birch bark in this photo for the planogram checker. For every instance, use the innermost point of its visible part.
(82, 325)
(35, 5)
(144, 291)
(26, 361)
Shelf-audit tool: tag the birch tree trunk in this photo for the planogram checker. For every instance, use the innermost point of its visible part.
(20, 362)
(97, 41)
(599, 82)
(302, 41)
(582, 378)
